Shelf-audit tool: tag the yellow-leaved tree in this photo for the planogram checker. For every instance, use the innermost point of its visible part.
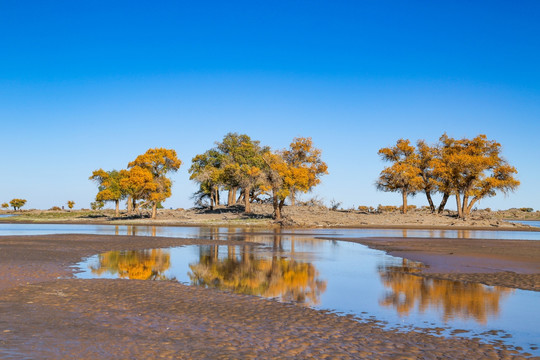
(473, 169)
(302, 155)
(158, 162)
(281, 177)
(138, 183)
(109, 187)
(404, 174)
(17, 204)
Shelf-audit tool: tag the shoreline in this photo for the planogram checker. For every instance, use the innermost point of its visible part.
(75, 315)
(232, 224)
(295, 217)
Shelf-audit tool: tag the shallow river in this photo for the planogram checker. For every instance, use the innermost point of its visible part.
(297, 266)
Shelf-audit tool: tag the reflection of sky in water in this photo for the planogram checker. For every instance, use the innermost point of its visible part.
(528, 222)
(358, 279)
(224, 232)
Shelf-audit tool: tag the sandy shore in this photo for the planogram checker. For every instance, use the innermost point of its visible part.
(294, 217)
(49, 318)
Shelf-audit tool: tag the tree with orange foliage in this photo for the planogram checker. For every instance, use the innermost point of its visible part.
(17, 204)
(281, 177)
(158, 162)
(109, 187)
(302, 154)
(138, 184)
(473, 170)
(403, 175)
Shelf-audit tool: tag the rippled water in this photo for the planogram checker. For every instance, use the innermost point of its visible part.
(334, 275)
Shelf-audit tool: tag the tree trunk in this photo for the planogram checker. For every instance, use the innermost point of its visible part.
(211, 199)
(469, 208)
(277, 210)
(464, 205)
(404, 195)
(430, 201)
(280, 206)
(240, 197)
(117, 207)
(443, 202)
(233, 197)
(217, 196)
(293, 197)
(230, 198)
(154, 209)
(129, 205)
(458, 204)
(247, 204)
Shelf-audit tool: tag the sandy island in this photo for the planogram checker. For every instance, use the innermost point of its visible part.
(294, 217)
(48, 315)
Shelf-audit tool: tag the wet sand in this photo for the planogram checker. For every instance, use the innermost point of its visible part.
(49, 318)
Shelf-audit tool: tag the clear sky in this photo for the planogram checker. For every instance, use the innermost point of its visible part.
(88, 85)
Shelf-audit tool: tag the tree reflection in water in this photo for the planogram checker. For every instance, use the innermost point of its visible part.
(139, 265)
(278, 277)
(456, 299)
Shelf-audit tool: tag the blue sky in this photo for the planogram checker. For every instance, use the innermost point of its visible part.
(92, 85)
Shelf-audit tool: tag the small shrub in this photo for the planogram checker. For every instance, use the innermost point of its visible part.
(335, 205)
(526, 209)
(55, 208)
(314, 201)
(387, 208)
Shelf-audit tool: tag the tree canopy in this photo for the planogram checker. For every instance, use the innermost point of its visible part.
(17, 204)
(239, 162)
(404, 174)
(158, 162)
(469, 169)
(109, 186)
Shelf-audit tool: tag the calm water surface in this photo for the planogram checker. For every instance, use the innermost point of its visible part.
(528, 222)
(333, 275)
(297, 266)
(226, 233)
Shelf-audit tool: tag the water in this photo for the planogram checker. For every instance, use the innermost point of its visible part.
(5, 215)
(534, 223)
(339, 276)
(299, 266)
(227, 232)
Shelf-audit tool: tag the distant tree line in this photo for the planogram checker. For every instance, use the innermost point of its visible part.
(469, 169)
(16, 204)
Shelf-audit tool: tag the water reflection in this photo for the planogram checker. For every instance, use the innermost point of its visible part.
(238, 269)
(453, 299)
(139, 265)
(246, 273)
